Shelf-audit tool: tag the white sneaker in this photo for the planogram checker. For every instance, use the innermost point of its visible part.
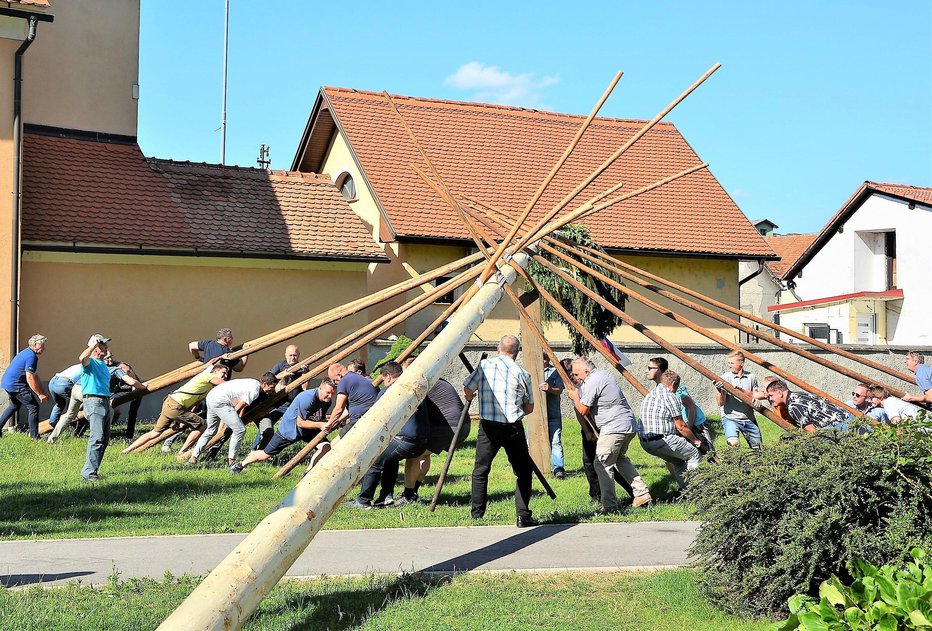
(166, 449)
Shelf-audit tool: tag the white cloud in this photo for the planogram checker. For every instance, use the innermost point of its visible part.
(494, 85)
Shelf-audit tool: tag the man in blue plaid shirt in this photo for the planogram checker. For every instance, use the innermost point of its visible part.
(505, 397)
(663, 432)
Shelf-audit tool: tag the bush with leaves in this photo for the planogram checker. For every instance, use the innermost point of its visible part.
(782, 521)
(398, 347)
(887, 599)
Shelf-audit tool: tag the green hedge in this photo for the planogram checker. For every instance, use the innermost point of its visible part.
(781, 522)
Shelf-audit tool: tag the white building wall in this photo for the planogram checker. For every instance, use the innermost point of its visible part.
(852, 261)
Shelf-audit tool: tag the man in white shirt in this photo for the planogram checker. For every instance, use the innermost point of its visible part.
(896, 408)
(226, 403)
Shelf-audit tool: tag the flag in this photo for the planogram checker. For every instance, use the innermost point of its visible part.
(620, 357)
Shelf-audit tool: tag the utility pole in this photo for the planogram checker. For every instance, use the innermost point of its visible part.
(223, 115)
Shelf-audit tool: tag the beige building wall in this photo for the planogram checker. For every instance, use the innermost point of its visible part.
(153, 306)
(82, 71)
(7, 49)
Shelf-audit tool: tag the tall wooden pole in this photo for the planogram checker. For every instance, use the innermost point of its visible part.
(536, 421)
(233, 590)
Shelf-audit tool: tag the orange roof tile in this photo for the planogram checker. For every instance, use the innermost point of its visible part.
(788, 247)
(37, 3)
(108, 195)
(918, 194)
(500, 154)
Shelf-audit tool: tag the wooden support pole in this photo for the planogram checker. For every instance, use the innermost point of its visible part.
(233, 590)
(684, 321)
(608, 263)
(168, 433)
(644, 330)
(771, 325)
(576, 324)
(541, 229)
(492, 263)
(301, 455)
(356, 340)
(332, 315)
(536, 421)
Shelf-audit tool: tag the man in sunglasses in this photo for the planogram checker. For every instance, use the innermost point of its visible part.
(862, 402)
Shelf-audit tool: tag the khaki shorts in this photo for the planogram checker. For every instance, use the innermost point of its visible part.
(174, 414)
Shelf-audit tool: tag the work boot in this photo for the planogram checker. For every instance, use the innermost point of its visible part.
(642, 500)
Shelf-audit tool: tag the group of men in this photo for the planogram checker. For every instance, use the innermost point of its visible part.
(212, 406)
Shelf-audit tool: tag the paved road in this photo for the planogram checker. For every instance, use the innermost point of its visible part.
(354, 552)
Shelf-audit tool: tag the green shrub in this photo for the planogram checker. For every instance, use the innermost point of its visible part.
(398, 347)
(887, 598)
(783, 521)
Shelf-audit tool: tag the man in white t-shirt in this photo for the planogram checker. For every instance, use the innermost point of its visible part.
(895, 407)
(226, 403)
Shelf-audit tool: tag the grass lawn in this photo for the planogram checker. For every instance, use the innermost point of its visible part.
(43, 496)
(655, 601)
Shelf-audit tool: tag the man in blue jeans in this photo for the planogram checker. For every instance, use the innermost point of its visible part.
(95, 385)
(23, 385)
(552, 388)
(738, 416)
(410, 441)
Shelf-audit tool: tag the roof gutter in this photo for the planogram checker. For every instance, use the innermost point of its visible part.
(33, 21)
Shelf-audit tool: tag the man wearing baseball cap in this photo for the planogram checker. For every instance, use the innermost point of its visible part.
(95, 384)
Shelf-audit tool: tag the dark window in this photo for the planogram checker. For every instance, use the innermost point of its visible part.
(889, 251)
(445, 299)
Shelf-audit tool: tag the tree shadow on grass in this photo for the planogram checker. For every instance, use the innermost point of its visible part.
(348, 609)
(40, 507)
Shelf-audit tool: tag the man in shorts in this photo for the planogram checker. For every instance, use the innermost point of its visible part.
(177, 408)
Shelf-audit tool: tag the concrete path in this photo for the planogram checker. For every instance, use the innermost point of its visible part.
(354, 552)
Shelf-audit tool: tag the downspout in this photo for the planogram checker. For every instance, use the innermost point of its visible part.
(18, 179)
(751, 276)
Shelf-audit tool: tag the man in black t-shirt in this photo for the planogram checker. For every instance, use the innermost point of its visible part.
(808, 411)
(206, 350)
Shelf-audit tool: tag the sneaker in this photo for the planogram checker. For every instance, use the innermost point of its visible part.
(601, 510)
(236, 468)
(642, 500)
(559, 473)
(166, 448)
(360, 505)
(384, 502)
(93, 477)
(405, 500)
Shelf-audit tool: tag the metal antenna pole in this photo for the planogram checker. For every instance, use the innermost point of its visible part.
(223, 118)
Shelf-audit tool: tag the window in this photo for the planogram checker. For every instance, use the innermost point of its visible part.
(445, 299)
(347, 187)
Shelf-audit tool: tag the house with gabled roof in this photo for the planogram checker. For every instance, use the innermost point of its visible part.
(864, 278)
(689, 231)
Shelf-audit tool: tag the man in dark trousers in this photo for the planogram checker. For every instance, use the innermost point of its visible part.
(505, 397)
(444, 409)
(23, 385)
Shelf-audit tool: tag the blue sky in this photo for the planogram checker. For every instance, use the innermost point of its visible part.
(813, 97)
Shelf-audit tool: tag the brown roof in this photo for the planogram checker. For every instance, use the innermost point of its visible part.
(918, 194)
(37, 3)
(788, 247)
(500, 154)
(103, 195)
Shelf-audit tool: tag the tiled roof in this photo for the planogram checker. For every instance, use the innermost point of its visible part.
(37, 3)
(919, 194)
(500, 154)
(108, 195)
(788, 247)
